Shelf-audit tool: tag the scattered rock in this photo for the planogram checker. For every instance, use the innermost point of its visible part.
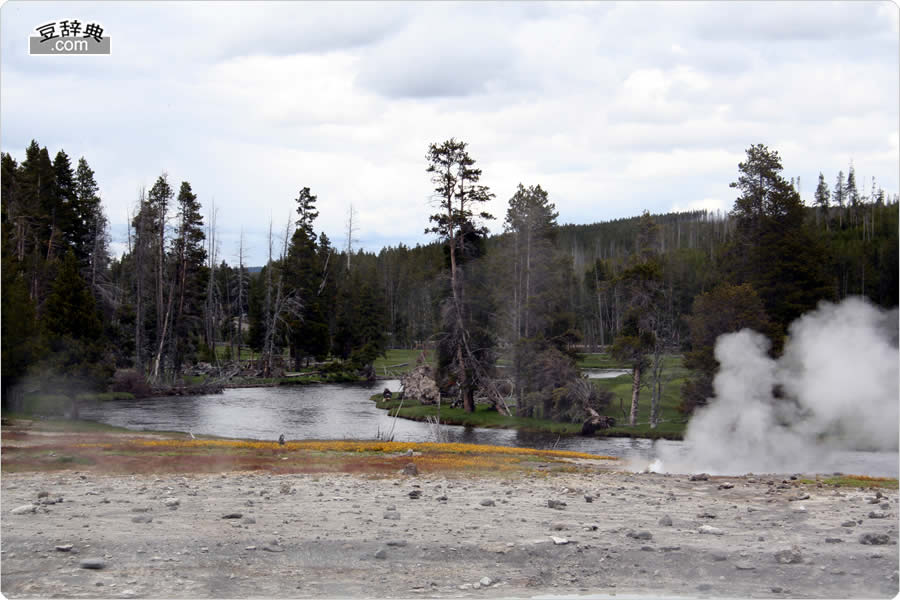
(744, 567)
(558, 540)
(726, 485)
(588, 498)
(142, 519)
(776, 589)
(848, 524)
(833, 540)
(64, 548)
(25, 508)
(273, 548)
(790, 556)
(699, 477)
(43, 494)
(800, 497)
(441, 498)
(172, 502)
(487, 502)
(711, 530)
(392, 515)
(485, 581)
(706, 515)
(234, 515)
(877, 515)
(640, 535)
(410, 469)
(874, 539)
(557, 504)
(382, 553)
(398, 543)
(666, 521)
(92, 563)
(285, 488)
(415, 494)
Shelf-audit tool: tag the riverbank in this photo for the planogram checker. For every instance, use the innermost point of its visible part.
(205, 525)
(485, 416)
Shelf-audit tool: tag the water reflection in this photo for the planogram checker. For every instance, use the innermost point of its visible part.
(344, 411)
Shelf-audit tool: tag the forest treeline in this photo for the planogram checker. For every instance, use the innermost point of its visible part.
(505, 312)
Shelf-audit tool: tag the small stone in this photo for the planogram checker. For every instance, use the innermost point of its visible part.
(485, 581)
(487, 502)
(172, 502)
(382, 553)
(744, 567)
(415, 494)
(726, 485)
(392, 515)
(558, 540)
(874, 539)
(398, 543)
(877, 515)
(92, 563)
(848, 524)
(25, 508)
(830, 540)
(706, 515)
(588, 498)
(43, 494)
(234, 515)
(441, 498)
(64, 548)
(410, 469)
(776, 590)
(699, 477)
(789, 557)
(250, 548)
(640, 535)
(711, 530)
(273, 548)
(142, 519)
(666, 521)
(557, 504)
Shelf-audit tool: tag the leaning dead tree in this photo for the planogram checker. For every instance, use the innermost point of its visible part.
(281, 307)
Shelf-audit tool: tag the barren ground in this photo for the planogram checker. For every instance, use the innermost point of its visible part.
(302, 535)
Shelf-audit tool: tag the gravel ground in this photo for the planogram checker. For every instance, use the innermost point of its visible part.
(237, 535)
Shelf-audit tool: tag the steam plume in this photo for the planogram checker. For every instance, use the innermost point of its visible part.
(835, 387)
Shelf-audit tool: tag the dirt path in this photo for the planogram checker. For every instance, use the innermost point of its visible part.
(339, 535)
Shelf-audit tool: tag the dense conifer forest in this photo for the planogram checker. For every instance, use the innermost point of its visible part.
(531, 298)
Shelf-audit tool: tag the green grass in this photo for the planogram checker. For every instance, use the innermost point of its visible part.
(106, 396)
(482, 417)
(857, 481)
(673, 422)
(396, 357)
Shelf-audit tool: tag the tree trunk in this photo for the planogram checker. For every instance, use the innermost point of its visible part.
(635, 393)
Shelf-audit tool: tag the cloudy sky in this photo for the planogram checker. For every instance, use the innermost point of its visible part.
(614, 108)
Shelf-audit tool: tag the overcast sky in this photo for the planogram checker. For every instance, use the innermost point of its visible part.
(614, 108)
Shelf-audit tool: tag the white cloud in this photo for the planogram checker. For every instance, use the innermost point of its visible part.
(613, 108)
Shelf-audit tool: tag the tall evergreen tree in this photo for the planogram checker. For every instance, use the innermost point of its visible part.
(458, 194)
(823, 196)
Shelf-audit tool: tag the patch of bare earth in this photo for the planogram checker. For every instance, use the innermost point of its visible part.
(443, 533)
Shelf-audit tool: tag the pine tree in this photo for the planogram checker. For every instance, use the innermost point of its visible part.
(458, 193)
(823, 196)
(189, 255)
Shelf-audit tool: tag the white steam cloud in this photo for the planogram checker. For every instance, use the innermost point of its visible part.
(836, 387)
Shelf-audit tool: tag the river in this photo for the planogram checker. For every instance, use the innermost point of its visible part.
(345, 411)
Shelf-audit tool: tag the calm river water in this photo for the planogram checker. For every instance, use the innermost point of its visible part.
(344, 411)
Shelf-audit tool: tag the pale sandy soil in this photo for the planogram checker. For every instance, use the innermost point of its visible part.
(314, 536)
